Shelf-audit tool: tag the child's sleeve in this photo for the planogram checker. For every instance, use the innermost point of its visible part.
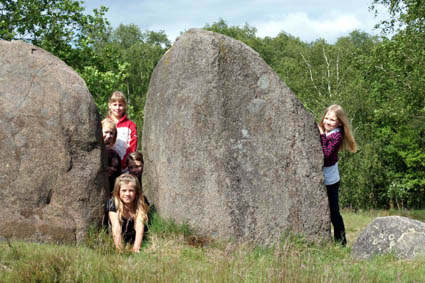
(133, 143)
(331, 144)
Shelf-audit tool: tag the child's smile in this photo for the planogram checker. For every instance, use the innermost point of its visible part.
(117, 108)
(331, 122)
(127, 193)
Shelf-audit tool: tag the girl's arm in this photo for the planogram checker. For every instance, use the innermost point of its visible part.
(331, 144)
(140, 228)
(116, 229)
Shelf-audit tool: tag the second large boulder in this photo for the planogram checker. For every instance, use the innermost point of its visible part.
(228, 147)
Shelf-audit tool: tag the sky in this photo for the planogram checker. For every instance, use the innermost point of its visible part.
(308, 20)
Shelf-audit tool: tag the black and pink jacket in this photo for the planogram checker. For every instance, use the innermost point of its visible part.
(331, 143)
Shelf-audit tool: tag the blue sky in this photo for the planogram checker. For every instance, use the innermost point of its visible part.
(307, 19)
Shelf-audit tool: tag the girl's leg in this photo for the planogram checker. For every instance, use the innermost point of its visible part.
(336, 218)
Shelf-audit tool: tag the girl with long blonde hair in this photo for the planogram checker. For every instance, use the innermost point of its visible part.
(127, 212)
(335, 134)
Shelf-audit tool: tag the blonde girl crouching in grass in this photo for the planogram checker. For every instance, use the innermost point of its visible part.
(127, 212)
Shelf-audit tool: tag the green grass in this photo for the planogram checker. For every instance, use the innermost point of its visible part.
(173, 253)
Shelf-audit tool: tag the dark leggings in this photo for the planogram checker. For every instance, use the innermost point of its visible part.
(336, 218)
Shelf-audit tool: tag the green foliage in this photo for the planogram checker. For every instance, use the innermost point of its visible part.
(395, 75)
(39, 21)
(404, 14)
(102, 84)
(58, 26)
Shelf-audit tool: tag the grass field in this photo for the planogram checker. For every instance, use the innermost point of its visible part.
(174, 254)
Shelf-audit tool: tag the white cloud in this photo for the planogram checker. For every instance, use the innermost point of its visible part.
(308, 29)
(307, 19)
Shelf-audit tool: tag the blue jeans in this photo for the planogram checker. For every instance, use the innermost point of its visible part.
(336, 218)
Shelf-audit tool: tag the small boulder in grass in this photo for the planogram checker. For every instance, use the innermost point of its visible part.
(402, 236)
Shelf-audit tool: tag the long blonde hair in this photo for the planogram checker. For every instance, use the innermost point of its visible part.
(140, 207)
(348, 141)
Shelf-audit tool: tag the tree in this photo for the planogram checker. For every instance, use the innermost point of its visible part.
(395, 74)
(404, 14)
(58, 26)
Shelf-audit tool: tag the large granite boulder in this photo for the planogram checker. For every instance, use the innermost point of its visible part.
(51, 172)
(228, 148)
(402, 236)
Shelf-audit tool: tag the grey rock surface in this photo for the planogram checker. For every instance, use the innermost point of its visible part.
(227, 146)
(51, 174)
(402, 236)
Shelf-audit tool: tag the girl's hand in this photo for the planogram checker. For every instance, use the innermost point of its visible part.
(320, 130)
(136, 250)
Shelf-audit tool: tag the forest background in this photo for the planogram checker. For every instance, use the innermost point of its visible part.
(379, 80)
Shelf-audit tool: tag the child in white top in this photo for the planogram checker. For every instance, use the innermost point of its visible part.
(126, 142)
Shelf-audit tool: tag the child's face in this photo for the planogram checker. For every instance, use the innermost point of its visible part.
(113, 167)
(127, 193)
(108, 135)
(117, 109)
(135, 167)
(331, 122)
